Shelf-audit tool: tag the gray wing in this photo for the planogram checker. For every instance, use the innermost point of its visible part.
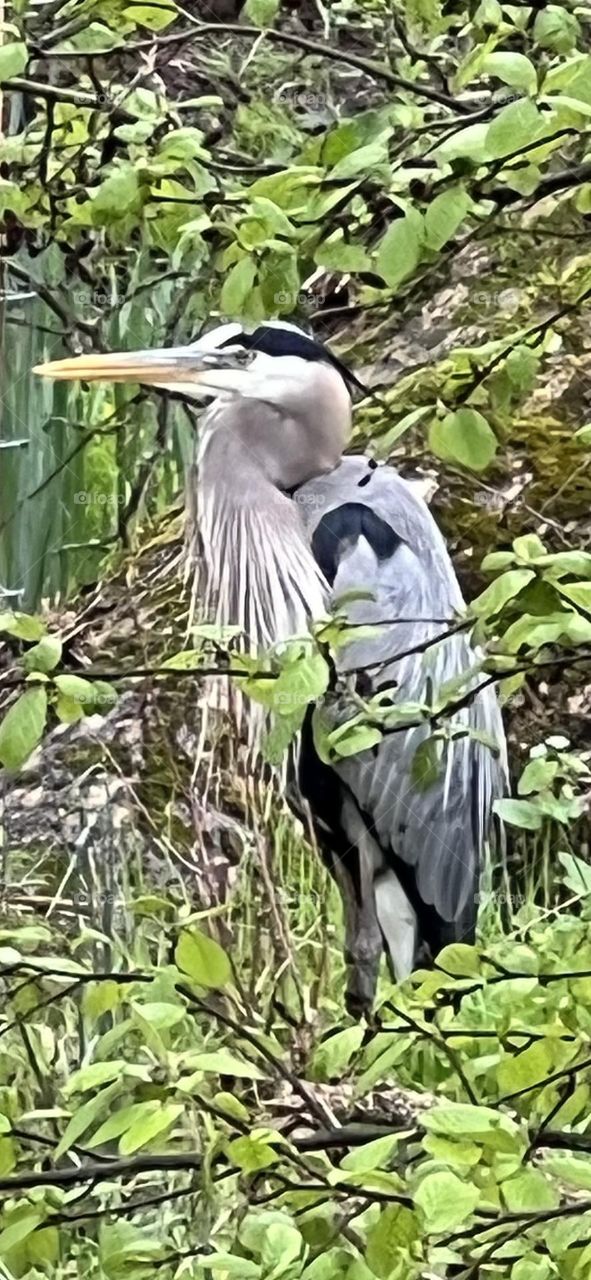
(370, 531)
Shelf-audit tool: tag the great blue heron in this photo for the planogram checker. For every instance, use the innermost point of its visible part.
(286, 522)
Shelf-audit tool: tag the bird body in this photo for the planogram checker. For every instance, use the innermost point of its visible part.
(412, 852)
(285, 525)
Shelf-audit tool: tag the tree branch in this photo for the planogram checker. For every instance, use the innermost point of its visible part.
(102, 1171)
(77, 98)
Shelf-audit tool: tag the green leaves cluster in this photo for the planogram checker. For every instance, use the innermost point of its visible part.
(183, 1083)
(67, 695)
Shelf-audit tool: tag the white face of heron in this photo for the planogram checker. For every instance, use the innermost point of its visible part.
(290, 404)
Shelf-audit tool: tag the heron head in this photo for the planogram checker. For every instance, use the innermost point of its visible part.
(298, 384)
(226, 361)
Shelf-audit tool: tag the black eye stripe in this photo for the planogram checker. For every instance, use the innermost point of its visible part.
(285, 342)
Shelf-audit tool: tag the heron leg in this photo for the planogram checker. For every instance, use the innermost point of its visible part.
(363, 938)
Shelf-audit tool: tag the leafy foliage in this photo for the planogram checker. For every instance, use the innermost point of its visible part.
(177, 1097)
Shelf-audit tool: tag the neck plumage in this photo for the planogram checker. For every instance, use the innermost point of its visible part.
(260, 574)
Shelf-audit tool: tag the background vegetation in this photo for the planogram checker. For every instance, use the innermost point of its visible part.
(179, 1086)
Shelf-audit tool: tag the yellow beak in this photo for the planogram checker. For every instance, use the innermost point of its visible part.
(161, 367)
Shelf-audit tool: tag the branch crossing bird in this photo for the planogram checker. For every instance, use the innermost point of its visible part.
(286, 524)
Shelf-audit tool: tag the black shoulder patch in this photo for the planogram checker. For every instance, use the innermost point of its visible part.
(344, 525)
(286, 342)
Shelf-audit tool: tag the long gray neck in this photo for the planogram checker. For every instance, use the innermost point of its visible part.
(259, 571)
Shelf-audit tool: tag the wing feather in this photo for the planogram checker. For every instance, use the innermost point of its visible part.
(439, 831)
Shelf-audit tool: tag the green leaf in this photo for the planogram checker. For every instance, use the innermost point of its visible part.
(426, 762)
(255, 1225)
(533, 1267)
(251, 1154)
(556, 29)
(444, 215)
(512, 68)
(532, 632)
(579, 593)
(22, 727)
(274, 220)
(76, 691)
(116, 1124)
(67, 709)
(349, 740)
(480, 1124)
(155, 17)
(229, 1263)
(519, 813)
(223, 1063)
(97, 1073)
(101, 997)
(43, 656)
(505, 588)
(497, 560)
(290, 189)
(282, 1246)
(22, 626)
(279, 281)
(330, 1265)
(103, 697)
(8, 1156)
(529, 1191)
(20, 1229)
(13, 59)
(460, 1155)
(464, 436)
(488, 14)
(469, 144)
(445, 1201)
(390, 1238)
(334, 1054)
(338, 254)
(202, 958)
(160, 1014)
(568, 1167)
(278, 738)
(529, 547)
(261, 12)
(578, 874)
(385, 442)
(229, 1103)
(519, 1071)
(514, 127)
(372, 1155)
(399, 251)
(362, 161)
(117, 195)
(136, 133)
(300, 681)
(156, 1117)
(144, 104)
(237, 286)
(185, 660)
(380, 1066)
(537, 776)
(85, 1116)
(459, 958)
